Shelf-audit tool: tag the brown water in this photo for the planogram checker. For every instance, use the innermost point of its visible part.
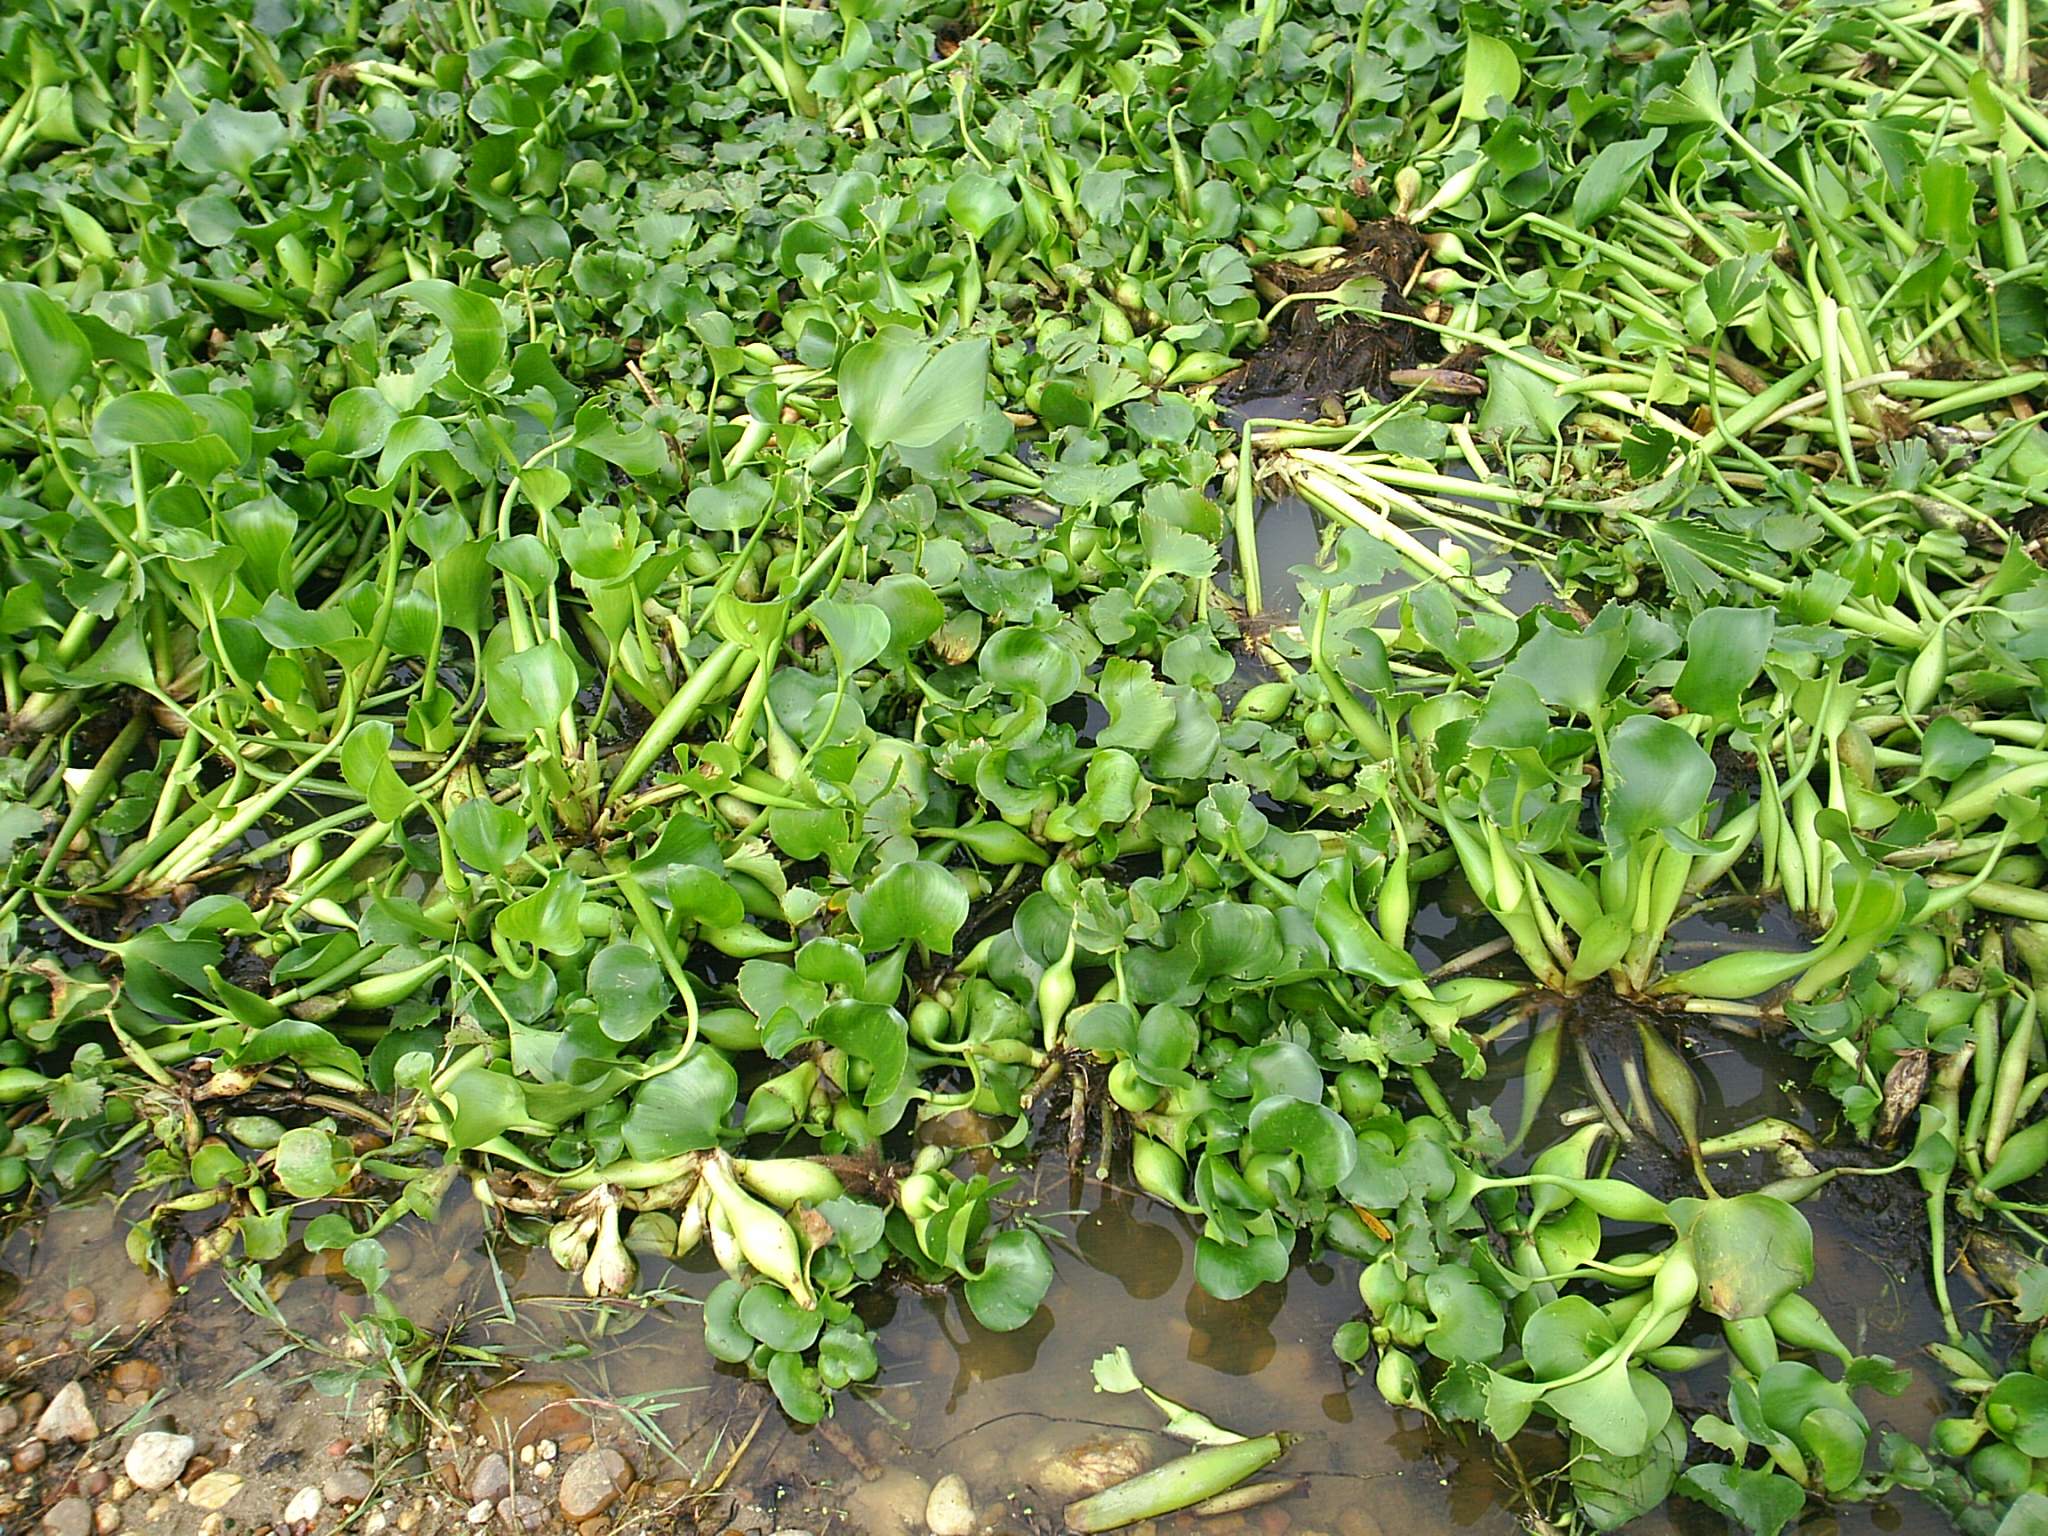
(520, 1356)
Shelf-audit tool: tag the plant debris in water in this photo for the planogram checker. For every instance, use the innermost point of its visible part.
(1319, 349)
(624, 605)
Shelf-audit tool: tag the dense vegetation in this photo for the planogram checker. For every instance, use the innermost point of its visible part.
(623, 601)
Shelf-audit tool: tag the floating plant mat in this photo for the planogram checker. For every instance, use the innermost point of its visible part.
(661, 776)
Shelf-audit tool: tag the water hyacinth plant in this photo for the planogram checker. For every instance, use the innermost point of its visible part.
(635, 608)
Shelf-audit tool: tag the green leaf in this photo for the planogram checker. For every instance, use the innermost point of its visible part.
(1607, 1409)
(547, 919)
(1571, 669)
(913, 610)
(1139, 711)
(486, 836)
(1491, 69)
(366, 765)
(898, 392)
(796, 1388)
(846, 1354)
(484, 1104)
(1724, 652)
(476, 327)
(1520, 402)
(359, 423)
(1315, 1133)
(1751, 1251)
(857, 632)
(305, 1164)
(630, 988)
(528, 690)
(1950, 749)
(913, 900)
(1227, 1271)
(1470, 1322)
(768, 1313)
(226, 141)
(1694, 101)
(977, 202)
(1658, 777)
(875, 1034)
(1761, 1502)
(1015, 1276)
(45, 342)
(1031, 662)
(1610, 176)
(1684, 547)
(723, 1334)
(2017, 1411)
(684, 1108)
(1613, 1490)
(1836, 1440)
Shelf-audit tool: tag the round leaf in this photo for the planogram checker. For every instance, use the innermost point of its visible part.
(1014, 1279)
(1752, 1251)
(629, 988)
(915, 899)
(768, 1313)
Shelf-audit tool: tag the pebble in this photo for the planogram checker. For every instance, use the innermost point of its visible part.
(592, 1482)
(304, 1508)
(80, 1305)
(69, 1517)
(31, 1406)
(892, 1505)
(526, 1412)
(350, 1485)
(950, 1509)
(377, 1522)
(69, 1417)
(137, 1376)
(155, 1460)
(29, 1457)
(106, 1519)
(213, 1525)
(522, 1512)
(216, 1490)
(10, 1419)
(547, 1450)
(151, 1301)
(480, 1512)
(1091, 1466)
(240, 1424)
(489, 1481)
(94, 1481)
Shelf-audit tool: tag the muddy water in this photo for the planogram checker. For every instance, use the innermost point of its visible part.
(280, 1403)
(995, 1408)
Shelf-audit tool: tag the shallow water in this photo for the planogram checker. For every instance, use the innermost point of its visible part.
(530, 1357)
